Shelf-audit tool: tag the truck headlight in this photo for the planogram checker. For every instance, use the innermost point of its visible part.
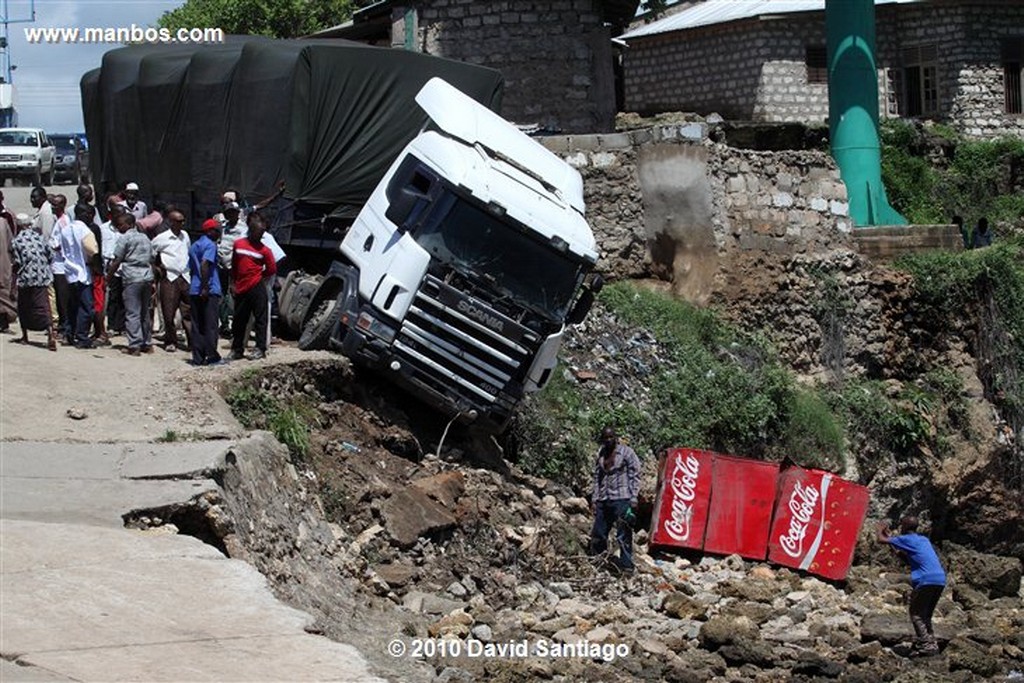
(368, 323)
(29, 157)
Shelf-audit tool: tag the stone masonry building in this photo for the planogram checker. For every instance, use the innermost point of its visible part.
(556, 55)
(953, 61)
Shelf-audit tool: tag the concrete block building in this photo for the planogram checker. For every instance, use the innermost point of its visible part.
(953, 61)
(556, 55)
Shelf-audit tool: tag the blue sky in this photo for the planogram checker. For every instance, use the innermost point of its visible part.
(46, 80)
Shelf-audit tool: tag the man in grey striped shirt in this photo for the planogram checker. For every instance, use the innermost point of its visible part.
(614, 497)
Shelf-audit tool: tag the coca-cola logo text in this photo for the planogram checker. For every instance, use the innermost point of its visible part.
(684, 485)
(802, 503)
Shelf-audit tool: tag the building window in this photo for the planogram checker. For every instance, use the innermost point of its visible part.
(893, 82)
(921, 80)
(817, 64)
(1013, 85)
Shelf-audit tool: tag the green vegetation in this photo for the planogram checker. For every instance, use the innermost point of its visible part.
(273, 18)
(169, 436)
(722, 390)
(718, 389)
(986, 285)
(290, 422)
(932, 174)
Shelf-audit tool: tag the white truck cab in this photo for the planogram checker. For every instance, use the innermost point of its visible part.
(460, 273)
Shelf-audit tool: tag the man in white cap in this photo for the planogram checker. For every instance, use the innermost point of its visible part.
(136, 206)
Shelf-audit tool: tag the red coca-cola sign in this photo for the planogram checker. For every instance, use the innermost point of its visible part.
(681, 505)
(817, 520)
(742, 498)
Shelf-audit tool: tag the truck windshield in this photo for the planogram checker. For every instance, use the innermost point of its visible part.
(483, 246)
(17, 137)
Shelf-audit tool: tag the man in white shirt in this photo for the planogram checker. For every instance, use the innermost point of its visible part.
(78, 246)
(170, 256)
(136, 206)
(43, 219)
(109, 237)
(59, 302)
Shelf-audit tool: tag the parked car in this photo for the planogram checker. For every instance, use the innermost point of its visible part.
(26, 153)
(72, 158)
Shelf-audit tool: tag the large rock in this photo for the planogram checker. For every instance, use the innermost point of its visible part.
(682, 606)
(757, 612)
(396, 575)
(721, 630)
(700, 661)
(812, 664)
(455, 624)
(966, 655)
(446, 488)
(887, 629)
(575, 608)
(753, 591)
(995, 576)
(411, 513)
(748, 651)
(428, 603)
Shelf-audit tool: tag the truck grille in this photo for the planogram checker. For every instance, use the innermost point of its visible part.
(463, 346)
(10, 157)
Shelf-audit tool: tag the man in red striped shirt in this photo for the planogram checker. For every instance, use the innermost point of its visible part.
(252, 263)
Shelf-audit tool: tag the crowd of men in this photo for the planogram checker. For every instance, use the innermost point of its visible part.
(85, 273)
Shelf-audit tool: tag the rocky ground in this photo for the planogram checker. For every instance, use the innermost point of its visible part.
(463, 547)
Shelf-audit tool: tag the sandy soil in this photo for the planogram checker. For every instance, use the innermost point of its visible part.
(124, 398)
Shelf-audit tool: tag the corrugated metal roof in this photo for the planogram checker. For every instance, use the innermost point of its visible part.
(712, 12)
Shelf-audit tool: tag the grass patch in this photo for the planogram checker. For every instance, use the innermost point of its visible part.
(290, 422)
(169, 436)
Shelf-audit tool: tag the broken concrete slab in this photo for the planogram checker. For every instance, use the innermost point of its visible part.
(98, 502)
(121, 605)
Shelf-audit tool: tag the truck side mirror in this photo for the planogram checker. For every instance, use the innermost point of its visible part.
(586, 300)
(401, 206)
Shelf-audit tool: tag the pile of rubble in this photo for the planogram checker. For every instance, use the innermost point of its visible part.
(472, 564)
(471, 556)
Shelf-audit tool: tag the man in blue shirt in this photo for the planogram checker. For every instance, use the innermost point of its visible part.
(204, 293)
(926, 577)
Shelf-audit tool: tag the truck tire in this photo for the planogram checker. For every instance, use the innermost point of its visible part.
(37, 176)
(316, 333)
(49, 176)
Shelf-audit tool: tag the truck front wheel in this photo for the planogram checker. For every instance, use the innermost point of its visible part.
(316, 332)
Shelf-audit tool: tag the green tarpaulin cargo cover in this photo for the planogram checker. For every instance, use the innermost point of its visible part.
(326, 117)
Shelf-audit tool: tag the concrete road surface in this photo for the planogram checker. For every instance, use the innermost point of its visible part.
(84, 599)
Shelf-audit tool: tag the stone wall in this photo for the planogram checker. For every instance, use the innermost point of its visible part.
(755, 70)
(555, 56)
(669, 203)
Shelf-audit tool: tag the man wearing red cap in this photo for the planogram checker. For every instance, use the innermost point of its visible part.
(252, 265)
(205, 293)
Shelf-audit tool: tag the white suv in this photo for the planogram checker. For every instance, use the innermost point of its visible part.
(26, 153)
